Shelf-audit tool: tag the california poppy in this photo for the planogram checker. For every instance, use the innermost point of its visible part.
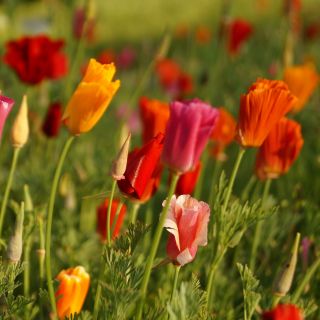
(91, 98)
(142, 175)
(239, 31)
(52, 121)
(154, 115)
(115, 221)
(6, 105)
(279, 150)
(187, 223)
(265, 103)
(188, 181)
(283, 312)
(302, 81)
(36, 58)
(72, 291)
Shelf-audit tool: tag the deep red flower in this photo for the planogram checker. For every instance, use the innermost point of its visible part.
(36, 58)
(283, 312)
(143, 171)
(312, 31)
(102, 211)
(239, 31)
(52, 122)
(188, 181)
(78, 24)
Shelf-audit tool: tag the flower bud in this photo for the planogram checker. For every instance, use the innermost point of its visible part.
(119, 165)
(14, 251)
(20, 128)
(284, 282)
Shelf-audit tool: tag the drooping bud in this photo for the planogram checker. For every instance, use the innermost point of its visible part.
(14, 251)
(20, 128)
(119, 165)
(284, 282)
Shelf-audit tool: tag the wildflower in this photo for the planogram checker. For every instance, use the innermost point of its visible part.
(283, 312)
(37, 58)
(188, 181)
(239, 31)
(203, 35)
(115, 221)
(52, 122)
(154, 115)
(223, 133)
(189, 128)
(302, 81)
(6, 105)
(187, 223)
(72, 291)
(142, 175)
(279, 150)
(91, 98)
(20, 127)
(265, 103)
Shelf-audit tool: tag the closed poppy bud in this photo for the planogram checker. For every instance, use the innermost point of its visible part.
(6, 105)
(223, 133)
(266, 102)
(280, 149)
(72, 291)
(115, 221)
(188, 181)
(283, 312)
(239, 31)
(154, 115)
(91, 98)
(302, 81)
(20, 127)
(52, 122)
(189, 128)
(187, 223)
(143, 170)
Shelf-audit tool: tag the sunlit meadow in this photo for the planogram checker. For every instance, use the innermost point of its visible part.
(159, 159)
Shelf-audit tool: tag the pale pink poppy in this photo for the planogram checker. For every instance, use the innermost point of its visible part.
(187, 222)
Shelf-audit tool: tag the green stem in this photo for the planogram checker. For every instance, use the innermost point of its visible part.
(108, 221)
(305, 280)
(26, 270)
(275, 301)
(216, 169)
(41, 257)
(98, 293)
(198, 190)
(247, 189)
(53, 192)
(175, 282)
(134, 212)
(8, 187)
(257, 232)
(154, 246)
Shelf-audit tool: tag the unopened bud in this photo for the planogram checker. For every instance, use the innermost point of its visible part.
(119, 165)
(284, 282)
(91, 10)
(20, 127)
(14, 251)
(27, 199)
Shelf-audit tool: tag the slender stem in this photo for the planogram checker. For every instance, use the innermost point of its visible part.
(257, 232)
(218, 257)
(247, 189)
(134, 211)
(53, 192)
(175, 282)
(305, 280)
(8, 187)
(216, 169)
(98, 293)
(275, 301)
(154, 246)
(108, 221)
(114, 222)
(197, 192)
(26, 270)
(41, 257)
(148, 221)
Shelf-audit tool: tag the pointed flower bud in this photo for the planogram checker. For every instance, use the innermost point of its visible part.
(20, 128)
(119, 165)
(284, 282)
(6, 105)
(15, 243)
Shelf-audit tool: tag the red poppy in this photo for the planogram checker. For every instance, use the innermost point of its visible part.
(52, 122)
(36, 58)
(283, 312)
(239, 31)
(106, 57)
(143, 171)
(115, 225)
(188, 181)
(154, 115)
(312, 31)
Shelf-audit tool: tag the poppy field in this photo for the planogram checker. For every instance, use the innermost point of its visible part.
(160, 166)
